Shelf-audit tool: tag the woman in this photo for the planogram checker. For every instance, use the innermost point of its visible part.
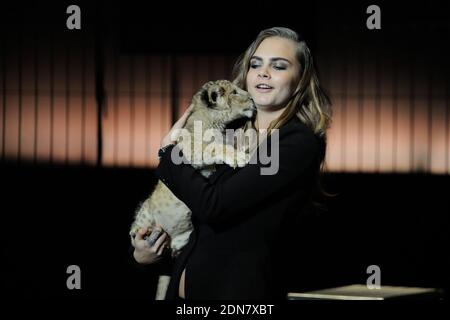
(242, 218)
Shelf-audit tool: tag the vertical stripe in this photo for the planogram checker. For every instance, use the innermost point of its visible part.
(148, 88)
(211, 68)
(20, 69)
(196, 80)
(377, 111)
(51, 95)
(83, 99)
(395, 115)
(447, 124)
(36, 96)
(429, 120)
(116, 108)
(132, 113)
(174, 88)
(412, 110)
(343, 97)
(67, 105)
(4, 72)
(360, 131)
(167, 79)
(225, 68)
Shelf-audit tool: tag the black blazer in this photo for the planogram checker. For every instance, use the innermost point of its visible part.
(239, 247)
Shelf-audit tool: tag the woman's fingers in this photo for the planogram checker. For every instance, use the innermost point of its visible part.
(155, 242)
(185, 115)
(146, 252)
(140, 234)
(181, 122)
(159, 243)
(175, 131)
(190, 108)
(151, 239)
(161, 249)
(162, 243)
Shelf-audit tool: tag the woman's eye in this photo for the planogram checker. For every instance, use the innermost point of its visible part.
(254, 66)
(280, 67)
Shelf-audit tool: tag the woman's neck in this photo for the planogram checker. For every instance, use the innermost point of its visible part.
(265, 117)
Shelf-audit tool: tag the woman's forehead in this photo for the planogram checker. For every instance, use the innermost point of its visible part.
(276, 47)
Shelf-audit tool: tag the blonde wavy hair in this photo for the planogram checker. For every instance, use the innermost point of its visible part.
(309, 102)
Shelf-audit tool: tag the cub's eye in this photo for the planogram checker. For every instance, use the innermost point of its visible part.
(234, 92)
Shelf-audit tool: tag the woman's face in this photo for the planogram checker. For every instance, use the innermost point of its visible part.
(273, 74)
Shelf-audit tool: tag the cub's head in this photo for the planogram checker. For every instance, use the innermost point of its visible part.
(222, 102)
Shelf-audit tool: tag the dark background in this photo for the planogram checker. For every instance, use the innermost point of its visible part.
(55, 216)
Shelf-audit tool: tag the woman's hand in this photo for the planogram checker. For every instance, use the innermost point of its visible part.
(146, 254)
(174, 133)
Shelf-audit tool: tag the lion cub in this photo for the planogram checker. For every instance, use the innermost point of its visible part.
(213, 107)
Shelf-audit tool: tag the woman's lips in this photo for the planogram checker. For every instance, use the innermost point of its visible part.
(263, 90)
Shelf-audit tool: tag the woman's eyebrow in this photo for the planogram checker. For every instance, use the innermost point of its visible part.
(271, 59)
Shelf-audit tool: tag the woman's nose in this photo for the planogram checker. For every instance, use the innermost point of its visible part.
(263, 73)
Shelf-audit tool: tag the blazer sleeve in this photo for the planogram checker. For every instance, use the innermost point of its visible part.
(224, 200)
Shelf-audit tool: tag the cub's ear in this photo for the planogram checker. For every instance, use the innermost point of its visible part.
(204, 97)
(208, 84)
(213, 96)
(217, 93)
